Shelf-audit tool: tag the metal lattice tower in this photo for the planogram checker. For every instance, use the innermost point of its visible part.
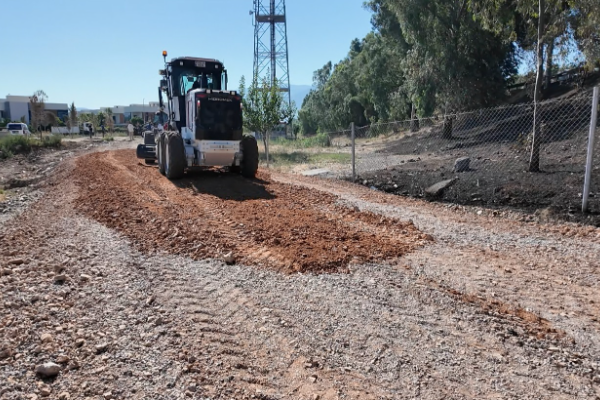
(271, 44)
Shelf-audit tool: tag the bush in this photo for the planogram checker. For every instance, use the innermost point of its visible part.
(318, 140)
(54, 141)
(12, 145)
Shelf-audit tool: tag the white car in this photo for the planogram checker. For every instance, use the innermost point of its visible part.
(18, 128)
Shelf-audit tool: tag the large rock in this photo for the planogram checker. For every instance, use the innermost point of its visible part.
(462, 164)
(438, 189)
(47, 370)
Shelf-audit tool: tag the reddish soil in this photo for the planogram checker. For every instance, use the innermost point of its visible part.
(221, 215)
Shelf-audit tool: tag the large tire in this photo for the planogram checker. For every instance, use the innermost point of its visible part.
(149, 137)
(250, 157)
(160, 153)
(175, 156)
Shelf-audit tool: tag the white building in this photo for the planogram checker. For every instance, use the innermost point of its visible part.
(16, 108)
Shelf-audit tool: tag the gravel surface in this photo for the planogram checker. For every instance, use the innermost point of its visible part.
(485, 306)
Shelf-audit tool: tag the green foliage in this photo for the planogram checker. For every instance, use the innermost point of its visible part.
(52, 141)
(299, 157)
(318, 140)
(101, 118)
(443, 56)
(264, 108)
(12, 145)
(263, 105)
(136, 121)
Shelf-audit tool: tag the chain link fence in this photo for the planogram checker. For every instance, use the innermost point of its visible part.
(481, 157)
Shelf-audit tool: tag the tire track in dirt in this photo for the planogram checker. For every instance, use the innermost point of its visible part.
(218, 215)
(268, 224)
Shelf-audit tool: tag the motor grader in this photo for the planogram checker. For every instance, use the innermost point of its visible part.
(204, 122)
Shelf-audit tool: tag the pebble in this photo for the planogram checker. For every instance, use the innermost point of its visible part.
(45, 391)
(62, 359)
(46, 337)
(101, 348)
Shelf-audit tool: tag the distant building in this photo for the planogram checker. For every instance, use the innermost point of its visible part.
(124, 114)
(143, 111)
(16, 108)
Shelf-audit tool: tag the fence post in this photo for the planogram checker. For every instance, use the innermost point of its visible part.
(590, 151)
(353, 137)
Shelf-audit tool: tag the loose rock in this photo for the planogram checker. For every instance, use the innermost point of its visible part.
(47, 370)
(46, 337)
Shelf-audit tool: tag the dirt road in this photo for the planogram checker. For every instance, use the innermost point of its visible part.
(215, 287)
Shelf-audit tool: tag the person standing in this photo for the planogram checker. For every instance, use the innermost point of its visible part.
(130, 130)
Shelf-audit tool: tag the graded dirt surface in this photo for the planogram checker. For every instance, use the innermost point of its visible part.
(221, 215)
(287, 287)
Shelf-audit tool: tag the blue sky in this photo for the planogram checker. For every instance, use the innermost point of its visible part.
(105, 53)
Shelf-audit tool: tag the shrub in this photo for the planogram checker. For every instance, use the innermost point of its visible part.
(318, 140)
(12, 145)
(54, 141)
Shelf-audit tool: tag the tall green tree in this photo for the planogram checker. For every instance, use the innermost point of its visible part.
(364, 87)
(548, 22)
(72, 120)
(452, 62)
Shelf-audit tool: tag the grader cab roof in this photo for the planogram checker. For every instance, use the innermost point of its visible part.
(194, 61)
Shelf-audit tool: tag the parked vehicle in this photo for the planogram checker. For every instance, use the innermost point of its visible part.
(18, 128)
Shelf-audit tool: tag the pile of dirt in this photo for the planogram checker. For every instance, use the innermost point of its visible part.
(220, 215)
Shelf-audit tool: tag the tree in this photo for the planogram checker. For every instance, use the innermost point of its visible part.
(587, 30)
(135, 121)
(554, 20)
(264, 108)
(50, 120)
(450, 61)
(36, 107)
(101, 118)
(72, 120)
(109, 119)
